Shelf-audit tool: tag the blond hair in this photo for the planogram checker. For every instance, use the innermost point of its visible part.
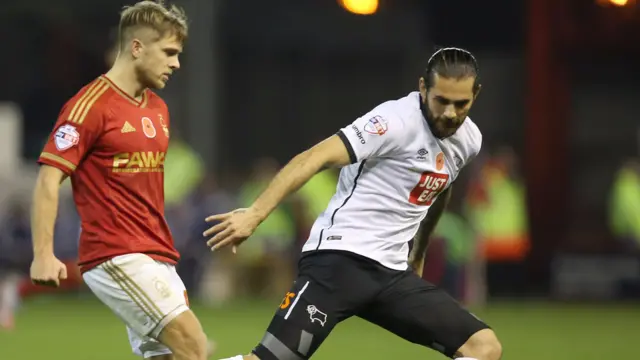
(154, 15)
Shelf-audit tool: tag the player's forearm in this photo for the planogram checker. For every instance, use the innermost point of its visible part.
(295, 174)
(429, 223)
(43, 216)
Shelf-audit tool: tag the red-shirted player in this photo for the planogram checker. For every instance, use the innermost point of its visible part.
(111, 139)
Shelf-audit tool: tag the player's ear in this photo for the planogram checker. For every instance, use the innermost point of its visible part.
(477, 91)
(136, 48)
(422, 86)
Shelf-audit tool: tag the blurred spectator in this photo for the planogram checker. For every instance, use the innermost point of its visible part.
(315, 195)
(624, 214)
(205, 274)
(15, 254)
(497, 211)
(459, 241)
(264, 265)
(183, 171)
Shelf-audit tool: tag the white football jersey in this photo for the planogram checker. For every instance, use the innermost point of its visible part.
(398, 169)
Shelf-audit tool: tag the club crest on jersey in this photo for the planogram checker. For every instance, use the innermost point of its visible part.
(376, 126)
(66, 137)
(148, 128)
(430, 185)
(165, 128)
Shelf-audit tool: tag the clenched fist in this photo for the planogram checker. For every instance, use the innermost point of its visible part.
(47, 271)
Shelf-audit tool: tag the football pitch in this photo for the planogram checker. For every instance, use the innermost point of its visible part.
(80, 328)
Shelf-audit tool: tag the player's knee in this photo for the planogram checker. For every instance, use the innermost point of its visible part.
(185, 337)
(162, 357)
(483, 345)
(245, 357)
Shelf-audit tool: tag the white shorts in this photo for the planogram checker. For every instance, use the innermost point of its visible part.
(146, 294)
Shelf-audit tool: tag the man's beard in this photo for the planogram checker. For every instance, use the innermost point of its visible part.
(442, 132)
(431, 121)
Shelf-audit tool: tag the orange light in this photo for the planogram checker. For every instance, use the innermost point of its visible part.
(617, 3)
(361, 7)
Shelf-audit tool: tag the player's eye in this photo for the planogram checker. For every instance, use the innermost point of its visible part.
(460, 103)
(443, 101)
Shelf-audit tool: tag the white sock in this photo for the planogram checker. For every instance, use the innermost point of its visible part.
(239, 357)
(464, 358)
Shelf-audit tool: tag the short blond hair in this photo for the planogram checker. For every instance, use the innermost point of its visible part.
(155, 15)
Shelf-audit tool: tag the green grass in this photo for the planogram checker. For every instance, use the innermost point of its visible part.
(70, 328)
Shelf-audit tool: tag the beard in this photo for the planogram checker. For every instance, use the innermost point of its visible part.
(442, 127)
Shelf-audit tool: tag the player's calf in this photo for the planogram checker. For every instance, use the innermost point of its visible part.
(483, 345)
(185, 337)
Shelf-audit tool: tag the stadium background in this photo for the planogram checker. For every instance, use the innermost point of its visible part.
(541, 239)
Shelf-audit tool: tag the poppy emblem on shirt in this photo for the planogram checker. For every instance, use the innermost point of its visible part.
(439, 161)
(66, 137)
(148, 128)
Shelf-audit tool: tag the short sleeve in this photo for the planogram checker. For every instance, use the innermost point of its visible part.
(373, 135)
(475, 142)
(78, 126)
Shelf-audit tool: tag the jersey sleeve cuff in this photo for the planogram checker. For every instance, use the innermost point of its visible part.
(347, 144)
(57, 161)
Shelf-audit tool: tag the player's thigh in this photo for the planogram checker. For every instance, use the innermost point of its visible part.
(174, 332)
(144, 293)
(304, 319)
(418, 311)
(185, 328)
(183, 331)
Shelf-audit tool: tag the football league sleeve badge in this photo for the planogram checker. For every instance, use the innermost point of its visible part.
(66, 137)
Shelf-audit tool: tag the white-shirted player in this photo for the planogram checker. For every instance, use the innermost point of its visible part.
(399, 161)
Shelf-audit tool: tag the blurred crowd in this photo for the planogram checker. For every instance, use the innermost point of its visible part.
(487, 219)
(478, 249)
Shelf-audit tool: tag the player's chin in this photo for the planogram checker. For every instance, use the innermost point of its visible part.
(162, 82)
(158, 84)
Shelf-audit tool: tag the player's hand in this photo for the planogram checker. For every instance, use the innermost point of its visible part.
(234, 228)
(417, 264)
(48, 271)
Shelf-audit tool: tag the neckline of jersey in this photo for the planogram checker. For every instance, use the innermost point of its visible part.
(142, 103)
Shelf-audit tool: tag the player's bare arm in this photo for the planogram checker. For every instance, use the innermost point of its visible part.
(237, 226)
(46, 269)
(422, 239)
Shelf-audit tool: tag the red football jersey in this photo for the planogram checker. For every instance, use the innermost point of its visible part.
(113, 148)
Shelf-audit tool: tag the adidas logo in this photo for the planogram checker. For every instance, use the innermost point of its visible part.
(127, 128)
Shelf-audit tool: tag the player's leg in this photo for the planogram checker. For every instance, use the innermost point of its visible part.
(153, 349)
(185, 337)
(327, 290)
(298, 327)
(483, 344)
(176, 334)
(421, 313)
(150, 298)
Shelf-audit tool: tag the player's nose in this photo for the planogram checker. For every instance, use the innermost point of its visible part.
(449, 112)
(175, 64)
